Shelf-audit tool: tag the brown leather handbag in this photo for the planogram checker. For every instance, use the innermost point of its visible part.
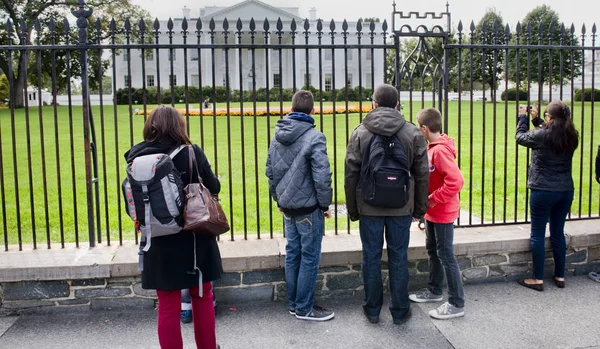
(203, 213)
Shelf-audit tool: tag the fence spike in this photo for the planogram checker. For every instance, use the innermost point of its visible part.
(306, 25)
(252, 25)
(23, 27)
(460, 26)
(583, 30)
(279, 24)
(198, 26)
(594, 29)
(98, 26)
(38, 26)
(266, 25)
(170, 24)
(518, 28)
(359, 26)
(239, 25)
(572, 29)
(211, 25)
(384, 26)
(345, 26)
(472, 27)
(184, 26)
(507, 31)
(293, 26)
(66, 26)
(372, 26)
(332, 26)
(127, 25)
(142, 26)
(225, 24)
(319, 26)
(156, 24)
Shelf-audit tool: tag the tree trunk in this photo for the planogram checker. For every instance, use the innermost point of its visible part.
(19, 84)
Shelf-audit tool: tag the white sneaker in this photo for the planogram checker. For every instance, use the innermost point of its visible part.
(425, 296)
(446, 311)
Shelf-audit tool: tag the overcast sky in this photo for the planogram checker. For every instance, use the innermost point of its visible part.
(570, 11)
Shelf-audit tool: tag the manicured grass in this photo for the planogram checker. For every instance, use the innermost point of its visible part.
(237, 148)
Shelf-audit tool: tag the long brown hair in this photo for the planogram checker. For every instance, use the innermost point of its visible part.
(167, 126)
(563, 136)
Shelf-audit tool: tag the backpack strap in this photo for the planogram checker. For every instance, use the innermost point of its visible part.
(146, 230)
(176, 151)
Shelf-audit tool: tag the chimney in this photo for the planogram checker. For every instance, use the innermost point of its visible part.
(186, 12)
(313, 14)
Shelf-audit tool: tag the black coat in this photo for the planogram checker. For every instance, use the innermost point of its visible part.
(598, 164)
(169, 263)
(549, 170)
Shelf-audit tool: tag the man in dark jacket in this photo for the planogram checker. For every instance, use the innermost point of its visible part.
(598, 165)
(300, 183)
(387, 121)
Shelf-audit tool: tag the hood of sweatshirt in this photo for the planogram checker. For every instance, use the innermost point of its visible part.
(294, 125)
(384, 121)
(444, 141)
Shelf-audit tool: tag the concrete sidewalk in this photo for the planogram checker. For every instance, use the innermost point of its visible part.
(498, 315)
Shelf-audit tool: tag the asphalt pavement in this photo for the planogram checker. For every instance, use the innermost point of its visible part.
(498, 315)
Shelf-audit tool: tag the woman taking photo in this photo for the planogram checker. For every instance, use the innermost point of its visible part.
(169, 265)
(553, 142)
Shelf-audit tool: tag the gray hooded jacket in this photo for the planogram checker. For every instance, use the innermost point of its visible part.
(298, 167)
(386, 122)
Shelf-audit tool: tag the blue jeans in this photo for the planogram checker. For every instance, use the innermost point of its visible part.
(439, 244)
(397, 235)
(304, 235)
(549, 207)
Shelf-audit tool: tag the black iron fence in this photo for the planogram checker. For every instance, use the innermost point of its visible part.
(61, 162)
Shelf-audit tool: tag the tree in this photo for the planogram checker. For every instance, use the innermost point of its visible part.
(26, 15)
(369, 19)
(4, 92)
(487, 64)
(541, 26)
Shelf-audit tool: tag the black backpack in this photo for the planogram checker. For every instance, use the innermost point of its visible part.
(384, 173)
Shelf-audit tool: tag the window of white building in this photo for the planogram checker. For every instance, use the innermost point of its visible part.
(195, 80)
(328, 55)
(125, 55)
(368, 83)
(127, 80)
(172, 80)
(276, 80)
(275, 56)
(307, 80)
(174, 55)
(349, 80)
(149, 55)
(149, 80)
(194, 55)
(368, 55)
(328, 82)
(350, 54)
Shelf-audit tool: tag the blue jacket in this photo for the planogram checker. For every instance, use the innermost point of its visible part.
(298, 166)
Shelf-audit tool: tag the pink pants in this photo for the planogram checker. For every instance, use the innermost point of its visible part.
(203, 313)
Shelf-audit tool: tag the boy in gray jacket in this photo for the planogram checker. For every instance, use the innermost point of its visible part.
(300, 183)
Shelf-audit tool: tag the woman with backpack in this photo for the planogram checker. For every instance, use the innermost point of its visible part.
(179, 261)
(553, 142)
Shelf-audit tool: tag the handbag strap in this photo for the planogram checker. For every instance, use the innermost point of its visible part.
(193, 163)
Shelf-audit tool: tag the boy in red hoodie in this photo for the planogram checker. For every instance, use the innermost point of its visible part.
(445, 182)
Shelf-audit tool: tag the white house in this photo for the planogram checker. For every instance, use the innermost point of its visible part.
(202, 67)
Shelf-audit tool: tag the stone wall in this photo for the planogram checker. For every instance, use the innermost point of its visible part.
(125, 293)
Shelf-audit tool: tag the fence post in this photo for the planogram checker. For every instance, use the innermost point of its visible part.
(82, 23)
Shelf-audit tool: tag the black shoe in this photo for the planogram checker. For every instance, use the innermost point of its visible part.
(401, 321)
(372, 319)
(537, 287)
(559, 283)
(316, 314)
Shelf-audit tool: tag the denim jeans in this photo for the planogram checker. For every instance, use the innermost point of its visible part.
(304, 235)
(439, 244)
(549, 207)
(397, 235)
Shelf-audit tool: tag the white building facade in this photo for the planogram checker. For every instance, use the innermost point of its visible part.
(328, 72)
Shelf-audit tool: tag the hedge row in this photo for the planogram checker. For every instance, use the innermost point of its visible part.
(587, 95)
(511, 95)
(195, 95)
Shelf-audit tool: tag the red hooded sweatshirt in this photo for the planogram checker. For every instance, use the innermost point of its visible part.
(445, 181)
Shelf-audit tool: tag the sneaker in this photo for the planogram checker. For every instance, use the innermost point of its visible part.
(425, 296)
(594, 276)
(185, 316)
(372, 319)
(292, 311)
(404, 319)
(446, 311)
(316, 314)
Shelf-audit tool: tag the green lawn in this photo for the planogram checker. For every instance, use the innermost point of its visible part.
(240, 165)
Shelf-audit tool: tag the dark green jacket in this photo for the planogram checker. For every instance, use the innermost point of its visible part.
(387, 122)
